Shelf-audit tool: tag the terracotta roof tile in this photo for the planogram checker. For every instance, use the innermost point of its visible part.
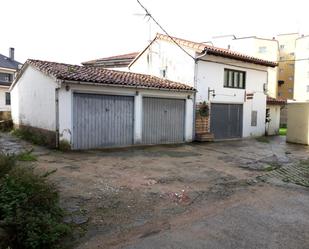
(129, 56)
(200, 47)
(105, 76)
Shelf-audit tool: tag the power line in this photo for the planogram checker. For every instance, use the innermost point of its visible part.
(156, 22)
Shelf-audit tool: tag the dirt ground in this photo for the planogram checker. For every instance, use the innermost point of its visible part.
(235, 194)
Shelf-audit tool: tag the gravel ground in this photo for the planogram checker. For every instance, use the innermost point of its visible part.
(234, 194)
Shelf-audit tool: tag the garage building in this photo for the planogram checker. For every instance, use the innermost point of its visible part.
(95, 108)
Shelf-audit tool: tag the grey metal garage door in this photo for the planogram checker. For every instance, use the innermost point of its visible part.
(163, 120)
(102, 120)
(226, 120)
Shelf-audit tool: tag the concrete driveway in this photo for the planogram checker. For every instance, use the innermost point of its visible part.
(235, 194)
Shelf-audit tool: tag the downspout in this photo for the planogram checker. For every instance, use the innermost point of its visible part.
(195, 86)
(57, 115)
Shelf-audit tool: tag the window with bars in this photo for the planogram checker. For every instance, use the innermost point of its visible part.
(234, 79)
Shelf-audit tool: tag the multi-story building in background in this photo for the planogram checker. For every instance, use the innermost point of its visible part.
(301, 75)
(286, 65)
(265, 49)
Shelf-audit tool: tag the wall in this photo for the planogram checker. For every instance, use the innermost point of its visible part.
(66, 107)
(211, 75)
(165, 55)
(251, 46)
(301, 81)
(3, 106)
(33, 100)
(274, 124)
(298, 123)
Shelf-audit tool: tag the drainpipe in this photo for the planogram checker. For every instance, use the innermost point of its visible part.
(195, 86)
(57, 115)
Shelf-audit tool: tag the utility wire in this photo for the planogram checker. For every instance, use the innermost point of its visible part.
(156, 22)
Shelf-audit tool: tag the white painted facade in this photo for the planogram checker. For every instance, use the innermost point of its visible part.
(33, 100)
(209, 74)
(34, 103)
(301, 77)
(273, 126)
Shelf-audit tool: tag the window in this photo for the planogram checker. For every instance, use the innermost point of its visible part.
(262, 49)
(282, 46)
(253, 118)
(292, 54)
(5, 77)
(234, 79)
(7, 99)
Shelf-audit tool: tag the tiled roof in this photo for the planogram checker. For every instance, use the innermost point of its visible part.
(201, 47)
(129, 56)
(273, 101)
(6, 62)
(104, 76)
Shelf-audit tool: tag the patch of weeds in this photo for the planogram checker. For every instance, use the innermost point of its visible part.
(30, 215)
(30, 136)
(6, 125)
(64, 145)
(262, 139)
(272, 166)
(26, 156)
(7, 162)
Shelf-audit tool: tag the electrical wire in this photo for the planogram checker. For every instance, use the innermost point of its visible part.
(156, 22)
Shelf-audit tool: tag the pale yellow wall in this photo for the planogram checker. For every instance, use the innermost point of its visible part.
(301, 81)
(265, 49)
(298, 120)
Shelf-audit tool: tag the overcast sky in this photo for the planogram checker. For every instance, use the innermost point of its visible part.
(73, 31)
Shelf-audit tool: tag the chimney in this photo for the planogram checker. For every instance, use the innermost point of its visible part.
(12, 53)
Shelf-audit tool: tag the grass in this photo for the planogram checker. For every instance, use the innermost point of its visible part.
(282, 131)
(30, 136)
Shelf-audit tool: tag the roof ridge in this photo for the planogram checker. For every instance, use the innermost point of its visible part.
(200, 47)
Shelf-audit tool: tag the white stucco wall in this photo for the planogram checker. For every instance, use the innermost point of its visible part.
(211, 75)
(33, 100)
(3, 106)
(274, 124)
(165, 55)
(301, 77)
(66, 107)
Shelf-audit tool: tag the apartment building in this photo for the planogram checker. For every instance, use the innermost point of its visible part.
(286, 65)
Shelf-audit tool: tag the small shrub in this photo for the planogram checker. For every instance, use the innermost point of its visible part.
(30, 216)
(282, 131)
(26, 156)
(64, 145)
(30, 136)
